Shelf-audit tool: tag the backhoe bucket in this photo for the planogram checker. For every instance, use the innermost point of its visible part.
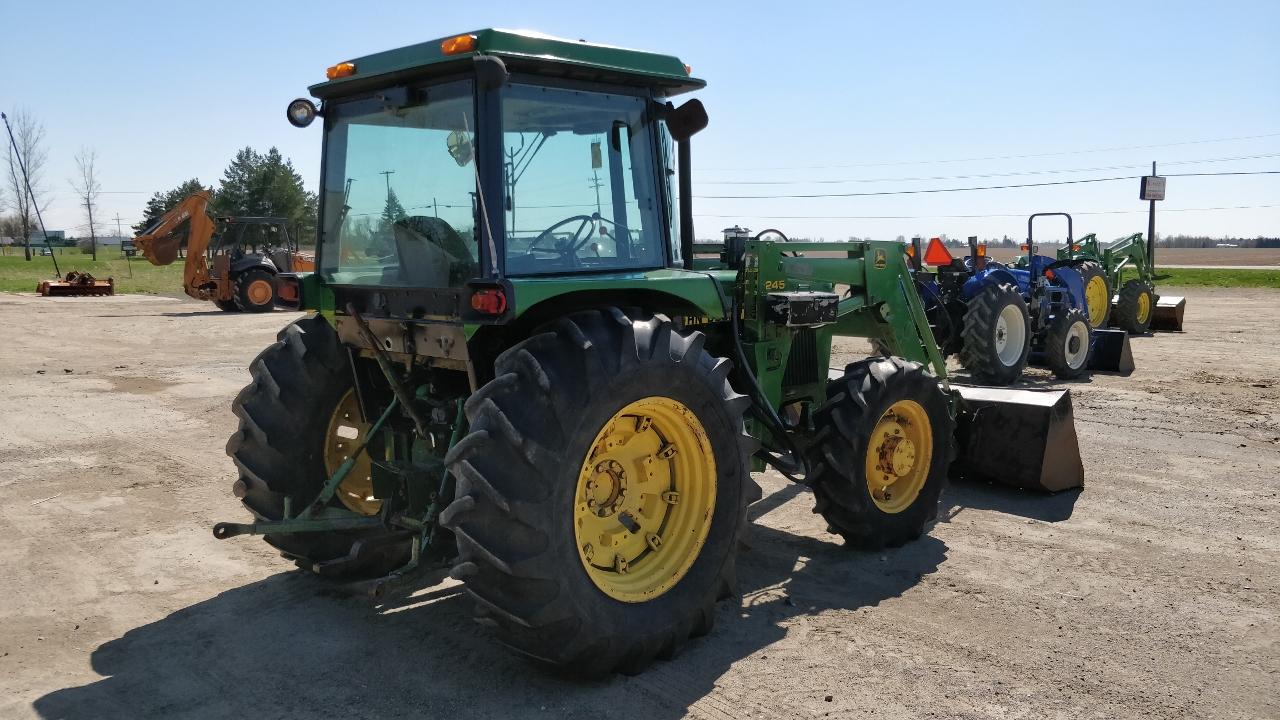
(159, 251)
(1111, 352)
(1168, 315)
(1023, 438)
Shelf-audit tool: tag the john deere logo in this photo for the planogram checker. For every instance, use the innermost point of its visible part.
(881, 261)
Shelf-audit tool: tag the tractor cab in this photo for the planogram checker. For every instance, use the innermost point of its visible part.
(491, 156)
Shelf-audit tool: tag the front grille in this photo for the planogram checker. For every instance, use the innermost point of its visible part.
(802, 363)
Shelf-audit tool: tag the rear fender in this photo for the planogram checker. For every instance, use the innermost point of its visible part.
(248, 262)
(995, 276)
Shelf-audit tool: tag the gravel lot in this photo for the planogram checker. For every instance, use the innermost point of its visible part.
(1155, 592)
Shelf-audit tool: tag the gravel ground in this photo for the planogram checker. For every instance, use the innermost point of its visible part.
(1155, 592)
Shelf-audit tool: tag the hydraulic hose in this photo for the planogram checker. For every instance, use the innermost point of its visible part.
(760, 403)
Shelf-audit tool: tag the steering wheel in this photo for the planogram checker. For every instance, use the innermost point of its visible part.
(565, 248)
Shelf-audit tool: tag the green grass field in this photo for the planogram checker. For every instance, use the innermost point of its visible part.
(1211, 277)
(16, 274)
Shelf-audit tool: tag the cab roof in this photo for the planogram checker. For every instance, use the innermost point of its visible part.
(522, 51)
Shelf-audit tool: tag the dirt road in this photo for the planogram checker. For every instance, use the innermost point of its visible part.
(1155, 592)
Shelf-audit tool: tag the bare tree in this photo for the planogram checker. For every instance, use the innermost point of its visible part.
(28, 135)
(87, 188)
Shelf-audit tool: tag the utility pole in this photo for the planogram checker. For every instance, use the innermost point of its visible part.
(595, 185)
(1151, 228)
(387, 174)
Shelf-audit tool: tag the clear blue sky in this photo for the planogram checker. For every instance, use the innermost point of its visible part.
(169, 91)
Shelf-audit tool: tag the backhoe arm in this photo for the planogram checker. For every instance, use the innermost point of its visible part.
(188, 220)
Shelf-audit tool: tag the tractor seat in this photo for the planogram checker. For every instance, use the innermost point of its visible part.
(431, 253)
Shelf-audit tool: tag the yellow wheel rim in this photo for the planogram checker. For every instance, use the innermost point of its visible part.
(347, 429)
(645, 497)
(1144, 307)
(1097, 297)
(259, 292)
(899, 454)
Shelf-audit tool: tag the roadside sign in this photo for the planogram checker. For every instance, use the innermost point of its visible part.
(1152, 188)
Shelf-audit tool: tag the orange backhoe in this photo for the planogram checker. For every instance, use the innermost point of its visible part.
(232, 261)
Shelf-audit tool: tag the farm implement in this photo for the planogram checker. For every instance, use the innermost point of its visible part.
(550, 393)
(1131, 304)
(76, 284)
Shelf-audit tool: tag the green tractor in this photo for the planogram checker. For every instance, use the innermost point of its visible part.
(518, 366)
(1129, 304)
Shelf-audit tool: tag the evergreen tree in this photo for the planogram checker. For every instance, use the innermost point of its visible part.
(163, 202)
(393, 210)
(267, 185)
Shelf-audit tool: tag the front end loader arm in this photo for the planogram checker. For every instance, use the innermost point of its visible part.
(160, 243)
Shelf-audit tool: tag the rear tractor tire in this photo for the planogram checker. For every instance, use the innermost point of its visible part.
(601, 492)
(996, 335)
(884, 447)
(254, 290)
(1097, 292)
(297, 418)
(1067, 344)
(1135, 307)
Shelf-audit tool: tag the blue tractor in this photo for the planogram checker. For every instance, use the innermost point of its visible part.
(997, 316)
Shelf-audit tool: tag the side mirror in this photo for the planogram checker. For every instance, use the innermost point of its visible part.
(460, 148)
(687, 120)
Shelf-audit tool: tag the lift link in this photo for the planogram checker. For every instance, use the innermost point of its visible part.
(388, 370)
(306, 520)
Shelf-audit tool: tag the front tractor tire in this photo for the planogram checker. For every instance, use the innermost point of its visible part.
(884, 446)
(996, 336)
(1067, 344)
(294, 417)
(601, 492)
(227, 305)
(254, 290)
(1135, 306)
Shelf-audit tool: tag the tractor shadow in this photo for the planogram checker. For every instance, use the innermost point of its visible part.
(287, 646)
(975, 495)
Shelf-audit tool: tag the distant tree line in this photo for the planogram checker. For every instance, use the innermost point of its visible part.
(1201, 241)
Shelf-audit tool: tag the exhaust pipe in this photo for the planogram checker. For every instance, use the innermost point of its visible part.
(1023, 438)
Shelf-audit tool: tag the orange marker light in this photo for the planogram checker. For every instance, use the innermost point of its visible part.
(688, 70)
(1024, 247)
(458, 44)
(1049, 274)
(340, 70)
(911, 251)
(937, 254)
(982, 250)
(1076, 247)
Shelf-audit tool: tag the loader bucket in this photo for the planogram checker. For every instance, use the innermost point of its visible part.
(1111, 352)
(1168, 314)
(1023, 438)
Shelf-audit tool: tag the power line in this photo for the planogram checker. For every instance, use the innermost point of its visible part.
(966, 189)
(1006, 157)
(982, 175)
(995, 215)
